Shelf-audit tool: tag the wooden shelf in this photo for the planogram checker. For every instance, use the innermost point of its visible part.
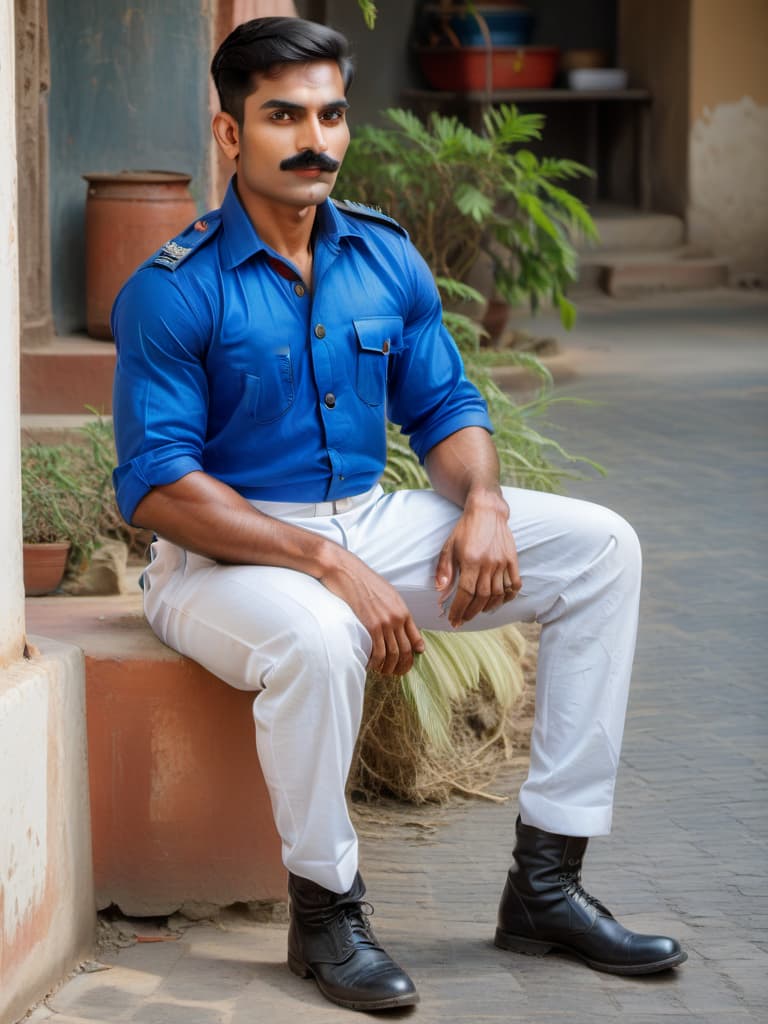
(473, 106)
(533, 96)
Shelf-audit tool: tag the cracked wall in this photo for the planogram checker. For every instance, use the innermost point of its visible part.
(728, 135)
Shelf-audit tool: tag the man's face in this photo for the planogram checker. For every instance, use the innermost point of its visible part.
(292, 123)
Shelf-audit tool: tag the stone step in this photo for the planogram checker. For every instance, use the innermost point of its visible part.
(67, 375)
(627, 277)
(56, 428)
(594, 267)
(626, 229)
(180, 813)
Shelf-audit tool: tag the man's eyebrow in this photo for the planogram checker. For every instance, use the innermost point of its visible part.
(277, 104)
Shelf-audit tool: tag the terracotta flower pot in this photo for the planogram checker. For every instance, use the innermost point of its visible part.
(127, 217)
(44, 566)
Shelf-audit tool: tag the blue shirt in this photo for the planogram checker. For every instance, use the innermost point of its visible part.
(227, 364)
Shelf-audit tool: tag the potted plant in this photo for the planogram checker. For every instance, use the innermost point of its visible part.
(465, 197)
(63, 494)
(474, 47)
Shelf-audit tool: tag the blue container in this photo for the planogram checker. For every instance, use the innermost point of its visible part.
(507, 27)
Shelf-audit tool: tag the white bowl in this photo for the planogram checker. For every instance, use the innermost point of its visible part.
(601, 79)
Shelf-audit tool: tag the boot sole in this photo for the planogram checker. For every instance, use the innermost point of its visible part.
(534, 947)
(303, 971)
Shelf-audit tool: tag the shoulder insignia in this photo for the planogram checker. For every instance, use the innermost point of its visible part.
(373, 213)
(171, 254)
(192, 238)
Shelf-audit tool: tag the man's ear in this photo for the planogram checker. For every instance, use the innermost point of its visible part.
(227, 134)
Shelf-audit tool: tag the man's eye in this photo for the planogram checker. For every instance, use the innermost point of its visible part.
(280, 115)
(333, 115)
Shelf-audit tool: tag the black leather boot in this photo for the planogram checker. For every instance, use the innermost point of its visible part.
(330, 939)
(544, 907)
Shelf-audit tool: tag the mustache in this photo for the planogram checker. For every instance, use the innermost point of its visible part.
(307, 160)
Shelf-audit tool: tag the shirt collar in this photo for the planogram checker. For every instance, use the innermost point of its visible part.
(241, 239)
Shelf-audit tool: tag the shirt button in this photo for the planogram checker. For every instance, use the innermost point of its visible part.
(330, 399)
(385, 347)
(299, 289)
(319, 331)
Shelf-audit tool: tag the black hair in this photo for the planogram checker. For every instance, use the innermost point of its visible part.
(261, 45)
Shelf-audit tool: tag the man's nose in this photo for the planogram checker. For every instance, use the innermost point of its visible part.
(313, 136)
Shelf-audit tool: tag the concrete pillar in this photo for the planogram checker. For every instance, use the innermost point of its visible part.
(32, 85)
(47, 913)
(11, 586)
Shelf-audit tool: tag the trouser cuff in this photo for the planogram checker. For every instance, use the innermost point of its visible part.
(562, 819)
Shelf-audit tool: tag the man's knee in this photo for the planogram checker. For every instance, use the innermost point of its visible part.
(623, 535)
(316, 672)
(610, 547)
(594, 542)
(328, 640)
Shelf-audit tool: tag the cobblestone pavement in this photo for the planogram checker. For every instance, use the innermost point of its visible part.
(681, 428)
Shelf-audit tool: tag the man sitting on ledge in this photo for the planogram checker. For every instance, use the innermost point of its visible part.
(258, 356)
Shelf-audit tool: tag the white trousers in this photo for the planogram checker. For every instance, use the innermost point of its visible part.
(283, 635)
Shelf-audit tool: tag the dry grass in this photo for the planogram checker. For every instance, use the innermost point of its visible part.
(394, 758)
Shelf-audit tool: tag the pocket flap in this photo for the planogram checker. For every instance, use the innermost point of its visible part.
(382, 334)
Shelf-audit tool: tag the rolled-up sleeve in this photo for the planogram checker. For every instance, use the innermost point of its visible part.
(430, 396)
(160, 399)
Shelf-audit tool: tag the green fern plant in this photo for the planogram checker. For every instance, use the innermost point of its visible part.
(461, 194)
(369, 12)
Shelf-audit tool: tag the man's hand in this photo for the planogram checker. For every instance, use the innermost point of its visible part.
(394, 635)
(478, 561)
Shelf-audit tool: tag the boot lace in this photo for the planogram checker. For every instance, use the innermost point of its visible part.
(359, 921)
(573, 888)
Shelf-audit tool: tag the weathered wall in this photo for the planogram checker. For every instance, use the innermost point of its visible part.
(728, 135)
(129, 89)
(729, 52)
(47, 911)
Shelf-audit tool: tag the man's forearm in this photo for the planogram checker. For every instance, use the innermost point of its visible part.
(465, 467)
(206, 516)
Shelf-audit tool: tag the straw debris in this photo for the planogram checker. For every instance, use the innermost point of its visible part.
(396, 758)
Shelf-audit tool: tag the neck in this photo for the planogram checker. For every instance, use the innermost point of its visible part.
(286, 229)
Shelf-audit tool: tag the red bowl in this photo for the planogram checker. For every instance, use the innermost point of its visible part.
(452, 69)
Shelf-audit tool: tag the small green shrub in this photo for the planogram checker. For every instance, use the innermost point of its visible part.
(462, 195)
(67, 495)
(58, 505)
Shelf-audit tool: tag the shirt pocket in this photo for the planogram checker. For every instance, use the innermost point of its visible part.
(377, 338)
(269, 394)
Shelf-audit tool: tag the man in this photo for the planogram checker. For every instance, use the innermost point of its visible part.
(258, 355)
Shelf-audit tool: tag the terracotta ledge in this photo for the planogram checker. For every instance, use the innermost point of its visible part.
(67, 375)
(180, 812)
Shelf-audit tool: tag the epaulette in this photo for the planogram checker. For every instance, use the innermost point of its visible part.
(192, 238)
(367, 213)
